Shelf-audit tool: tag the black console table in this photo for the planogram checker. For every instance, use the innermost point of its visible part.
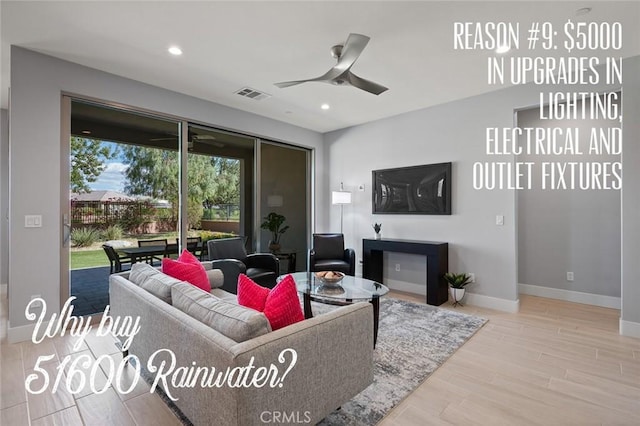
(437, 254)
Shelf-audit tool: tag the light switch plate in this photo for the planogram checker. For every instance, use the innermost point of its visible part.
(33, 221)
(499, 220)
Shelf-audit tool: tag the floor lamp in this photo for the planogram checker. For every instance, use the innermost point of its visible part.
(341, 197)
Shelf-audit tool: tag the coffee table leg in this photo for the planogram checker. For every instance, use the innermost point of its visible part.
(306, 299)
(376, 315)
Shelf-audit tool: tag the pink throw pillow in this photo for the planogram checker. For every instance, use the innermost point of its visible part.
(185, 269)
(251, 294)
(281, 304)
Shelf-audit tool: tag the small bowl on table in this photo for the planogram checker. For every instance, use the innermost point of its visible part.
(329, 278)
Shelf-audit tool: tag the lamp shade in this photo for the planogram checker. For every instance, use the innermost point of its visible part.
(340, 197)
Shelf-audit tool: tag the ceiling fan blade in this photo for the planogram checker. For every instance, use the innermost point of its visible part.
(290, 83)
(351, 51)
(366, 85)
(328, 76)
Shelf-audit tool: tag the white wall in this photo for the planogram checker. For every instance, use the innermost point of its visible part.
(4, 196)
(630, 322)
(449, 132)
(36, 84)
(564, 230)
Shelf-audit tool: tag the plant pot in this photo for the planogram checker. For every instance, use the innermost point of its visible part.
(274, 247)
(378, 236)
(456, 295)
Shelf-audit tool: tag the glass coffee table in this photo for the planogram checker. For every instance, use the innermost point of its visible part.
(349, 290)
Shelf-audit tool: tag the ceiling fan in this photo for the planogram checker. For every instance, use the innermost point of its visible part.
(340, 74)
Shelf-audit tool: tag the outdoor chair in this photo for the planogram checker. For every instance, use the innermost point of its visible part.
(194, 245)
(328, 254)
(230, 255)
(116, 260)
(146, 243)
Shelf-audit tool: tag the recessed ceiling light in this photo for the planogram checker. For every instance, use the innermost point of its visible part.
(583, 11)
(503, 49)
(175, 50)
(86, 132)
(325, 106)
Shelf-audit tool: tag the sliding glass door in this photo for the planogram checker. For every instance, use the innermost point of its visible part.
(141, 186)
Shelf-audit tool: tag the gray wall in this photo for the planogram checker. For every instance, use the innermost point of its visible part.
(631, 194)
(4, 196)
(569, 230)
(449, 132)
(36, 84)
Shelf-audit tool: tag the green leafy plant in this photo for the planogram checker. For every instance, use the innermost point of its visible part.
(84, 237)
(273, 223)
(457, 280)
(377, 227)
(113, 232)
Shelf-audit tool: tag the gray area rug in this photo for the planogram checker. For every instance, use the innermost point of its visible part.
(413, 341)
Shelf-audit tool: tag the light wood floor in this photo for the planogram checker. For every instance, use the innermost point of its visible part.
(553, 363)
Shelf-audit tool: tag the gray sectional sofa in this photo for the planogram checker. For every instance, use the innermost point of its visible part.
(334, 351)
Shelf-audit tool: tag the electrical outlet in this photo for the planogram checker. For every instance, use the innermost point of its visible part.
(569, 276)
(472, 276)
(397, 267)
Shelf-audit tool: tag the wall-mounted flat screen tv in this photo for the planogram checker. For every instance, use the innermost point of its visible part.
(422, 189)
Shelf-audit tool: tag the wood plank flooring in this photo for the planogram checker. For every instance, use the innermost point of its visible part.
(553, 363)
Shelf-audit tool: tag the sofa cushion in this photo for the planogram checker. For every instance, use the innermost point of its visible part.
(215, 277)
(281, 304)
(187, 268)
(234, 321)
(153, 281)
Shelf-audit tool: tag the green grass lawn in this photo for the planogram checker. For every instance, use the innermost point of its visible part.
(88, 259)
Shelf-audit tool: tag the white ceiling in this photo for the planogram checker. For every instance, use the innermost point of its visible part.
(230, 45)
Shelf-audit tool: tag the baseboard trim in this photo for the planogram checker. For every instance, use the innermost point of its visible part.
(22, 333)
(570, 296)
(630, 329)
(482, 301)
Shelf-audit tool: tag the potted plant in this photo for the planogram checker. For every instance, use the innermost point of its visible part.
(377, 227)
(457, 283)
(273, 223)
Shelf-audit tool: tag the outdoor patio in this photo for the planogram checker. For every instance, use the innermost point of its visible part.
(90, 286)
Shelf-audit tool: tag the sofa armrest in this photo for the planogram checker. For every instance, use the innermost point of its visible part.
(312, 260)
(231, 269)
(334, 363)
(350, 258)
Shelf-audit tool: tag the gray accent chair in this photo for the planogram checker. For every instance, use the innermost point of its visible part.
(230, 256)
(328, 254)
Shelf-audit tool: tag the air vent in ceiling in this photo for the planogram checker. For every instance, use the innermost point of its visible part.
(250, 93)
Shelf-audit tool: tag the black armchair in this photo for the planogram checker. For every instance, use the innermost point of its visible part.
(230, 256)
(328, 254)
